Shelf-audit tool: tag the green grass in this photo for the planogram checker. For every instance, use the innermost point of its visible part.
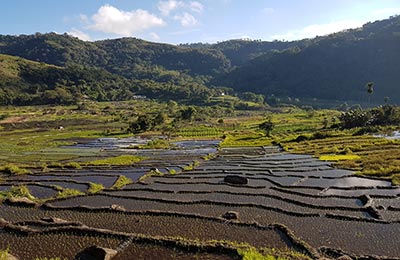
(121, 182)
(191, 166)
(246, 138)
(4, 254)
(20, 191)
(396, 179)
(95, 187)
(13, 169)
(253, 254)
(155, 144)
(339, 157)
(117, 161)
(365, 154)
(199, 131)
(149, 174)
(71, 165)
(66, 193)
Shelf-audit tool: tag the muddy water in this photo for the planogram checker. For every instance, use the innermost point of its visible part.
(321, 205)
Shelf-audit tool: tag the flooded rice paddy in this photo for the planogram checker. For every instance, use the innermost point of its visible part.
(290, 202)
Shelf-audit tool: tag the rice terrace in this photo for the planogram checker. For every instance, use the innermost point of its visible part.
(114, 147)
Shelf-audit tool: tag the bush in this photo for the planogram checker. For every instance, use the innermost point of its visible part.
(382, 115)
(354, 118)
(267, 126)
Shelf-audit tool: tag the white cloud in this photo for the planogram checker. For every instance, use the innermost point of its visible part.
(166, 7)
(268, 10)
(109, 19)
(154, 36)
(196, 7)
(313, 30)
(186, 20)
(83, 19)
(81, 35)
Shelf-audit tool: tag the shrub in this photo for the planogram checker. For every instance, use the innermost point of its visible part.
(267, 126)
(382, 115)
(354, 118)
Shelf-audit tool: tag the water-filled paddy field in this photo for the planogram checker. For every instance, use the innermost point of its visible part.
(286, 201)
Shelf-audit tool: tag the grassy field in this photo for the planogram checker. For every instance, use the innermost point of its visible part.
(31, 137)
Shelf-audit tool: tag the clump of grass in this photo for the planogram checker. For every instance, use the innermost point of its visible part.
(396, 179)
(20, 191)
(65, 193)
(172, 171)
(72, 165)
(155, 144)
(4, 254)
(151, 173)
(13, 169)
(209, 156)
(121, 182)
(95, 187)
(253, 254)
(191, 166)
(118, 160)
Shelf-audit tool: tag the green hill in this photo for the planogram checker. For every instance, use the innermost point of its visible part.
(333, 67)
(336, 66)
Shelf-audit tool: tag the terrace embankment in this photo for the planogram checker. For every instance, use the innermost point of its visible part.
(290, 202)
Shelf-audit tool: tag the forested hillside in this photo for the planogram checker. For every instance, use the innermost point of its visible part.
(25, 82)
(333, 67)
(337, 66)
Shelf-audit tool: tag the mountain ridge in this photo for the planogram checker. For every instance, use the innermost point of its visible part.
(333, 67)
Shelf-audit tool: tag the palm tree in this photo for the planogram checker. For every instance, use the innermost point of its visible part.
(370, 90)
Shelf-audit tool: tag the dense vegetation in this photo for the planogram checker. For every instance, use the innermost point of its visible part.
(333, 67)
(337, 66)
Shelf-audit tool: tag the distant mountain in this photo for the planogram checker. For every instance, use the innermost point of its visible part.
(25, 82)
(333, 67)
(239, 51)
(128, 57)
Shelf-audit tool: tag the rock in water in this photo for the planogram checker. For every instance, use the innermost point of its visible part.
(231, 215)
(236, 179)
(96, 253)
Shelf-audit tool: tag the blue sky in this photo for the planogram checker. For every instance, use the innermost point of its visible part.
(190, 21)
